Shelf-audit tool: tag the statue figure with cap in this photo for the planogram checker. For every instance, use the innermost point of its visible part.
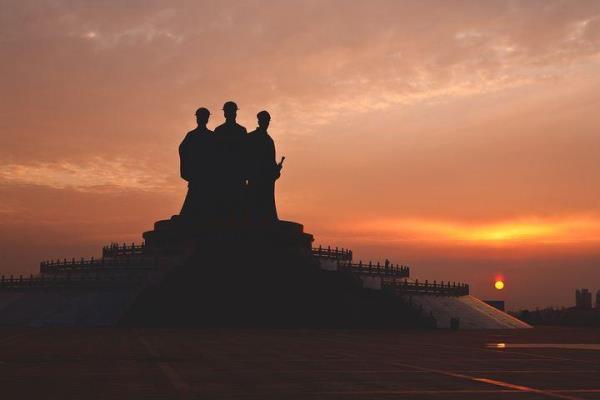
(263, 171)
(231, 177)
(196, 154)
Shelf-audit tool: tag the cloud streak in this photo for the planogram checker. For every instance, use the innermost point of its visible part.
(95, 175)
(563, 230)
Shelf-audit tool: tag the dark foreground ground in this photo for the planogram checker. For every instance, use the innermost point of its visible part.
(296, 364)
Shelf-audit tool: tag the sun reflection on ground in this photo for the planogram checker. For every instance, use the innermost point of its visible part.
(568, 346)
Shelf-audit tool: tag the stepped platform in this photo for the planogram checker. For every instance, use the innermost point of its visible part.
(91, 306)
(266, 275)
(225, 274)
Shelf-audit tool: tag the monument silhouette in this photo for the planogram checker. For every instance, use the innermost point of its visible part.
(231, 174)
(227, 260)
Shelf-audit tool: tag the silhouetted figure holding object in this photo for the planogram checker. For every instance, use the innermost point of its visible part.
(263, 171)
(196, 155)
(230, 140)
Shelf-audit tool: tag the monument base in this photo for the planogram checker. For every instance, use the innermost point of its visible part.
(177, 233)
(254, 275)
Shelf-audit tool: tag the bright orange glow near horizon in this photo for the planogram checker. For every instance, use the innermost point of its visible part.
(499, 285)
(458, 138)
(519, 232)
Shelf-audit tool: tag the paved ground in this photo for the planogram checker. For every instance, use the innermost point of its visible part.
(296, 364)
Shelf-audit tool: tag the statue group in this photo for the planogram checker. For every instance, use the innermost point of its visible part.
(231, 173)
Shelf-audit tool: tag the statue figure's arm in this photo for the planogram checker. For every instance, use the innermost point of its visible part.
(183, 162)
(271, 154)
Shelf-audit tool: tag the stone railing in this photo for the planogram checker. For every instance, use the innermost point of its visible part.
(435, 288)
(332, 254)
(114, 250)
(387, 269)
(83, 264)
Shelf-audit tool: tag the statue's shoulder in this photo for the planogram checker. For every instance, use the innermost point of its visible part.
(194, 132)
(220, 128)
(188, 138)
(205, 134)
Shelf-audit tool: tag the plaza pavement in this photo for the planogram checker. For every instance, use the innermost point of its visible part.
(112, 363)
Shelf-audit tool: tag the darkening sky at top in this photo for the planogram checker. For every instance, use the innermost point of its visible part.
(459, 137)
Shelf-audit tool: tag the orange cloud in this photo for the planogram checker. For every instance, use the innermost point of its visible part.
(88, 176)
(565, 230)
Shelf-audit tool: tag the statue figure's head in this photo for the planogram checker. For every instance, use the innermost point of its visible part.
(202, 116)
(230, 110)
(264, 118)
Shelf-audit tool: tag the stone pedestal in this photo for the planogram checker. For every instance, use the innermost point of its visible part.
(254, 275)
(228, 274)
(178, 233)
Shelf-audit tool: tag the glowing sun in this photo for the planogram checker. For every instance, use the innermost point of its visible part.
(499, 284)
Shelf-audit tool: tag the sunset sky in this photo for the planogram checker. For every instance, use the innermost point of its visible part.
(459, 137)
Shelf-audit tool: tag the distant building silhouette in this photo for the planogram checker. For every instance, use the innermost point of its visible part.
(598, 299)
(583, 299)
